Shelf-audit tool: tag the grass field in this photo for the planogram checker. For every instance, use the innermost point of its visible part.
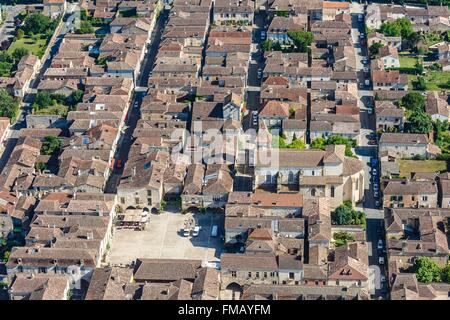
(36, 47)
(407, 61)
(408, 166)
(436, 80)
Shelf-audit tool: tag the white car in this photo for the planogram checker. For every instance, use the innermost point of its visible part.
(383, 278)
(196, 231)
(263, 35)
(213, 264)
(136, 104)
(369, 111)
(255, 118)
(186, 232)
(380, 260)
(380, 244)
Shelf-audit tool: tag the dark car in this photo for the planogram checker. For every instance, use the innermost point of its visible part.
(372, 142)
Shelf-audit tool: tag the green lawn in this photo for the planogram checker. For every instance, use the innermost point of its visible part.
(59, 109)
(408, 166)
(436, 80)
(36, 47)
(407, 61)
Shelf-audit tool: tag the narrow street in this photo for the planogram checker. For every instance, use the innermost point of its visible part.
(374, 216)
(126, 138)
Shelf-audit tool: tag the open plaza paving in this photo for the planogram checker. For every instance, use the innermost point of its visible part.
(163, 239)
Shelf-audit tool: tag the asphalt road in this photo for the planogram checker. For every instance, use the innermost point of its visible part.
(253, 89)
(374, 217)
(126, 139)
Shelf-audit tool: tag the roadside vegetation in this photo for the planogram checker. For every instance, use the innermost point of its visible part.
(56, 104)
(9, 106)
(346, 215)
(321, 143)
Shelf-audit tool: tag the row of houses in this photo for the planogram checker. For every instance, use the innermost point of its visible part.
(57, 201)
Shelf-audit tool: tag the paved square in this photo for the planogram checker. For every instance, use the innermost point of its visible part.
(162, 239)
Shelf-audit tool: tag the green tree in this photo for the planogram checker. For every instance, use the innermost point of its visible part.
(5, 69)
(37, 23)
(18, 53)
(427, 270)
(40, 166)
(413, 101)
(421, 84)
(302, 39)
(374, 49)
(345, 214)
(297, 144)
(19, 34)
(419, 68)
(51, 145)
(74, 98)
(43, 100)
(342, 237)
(9, 107)
(420, 122)
(400, 27)
(278, 142)
(85, 27)
(446, 274)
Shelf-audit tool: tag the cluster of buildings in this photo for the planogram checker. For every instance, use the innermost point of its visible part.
(186, 142)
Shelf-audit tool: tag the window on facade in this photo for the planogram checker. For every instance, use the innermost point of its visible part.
(291, 275)
(257, 275)
(122, 200)
(337, 282)
(313, 192)
(136, 200)
(424, 198)
(332, 191)
(249, 274)
(268, 178)
(265, 274)
(233, 274)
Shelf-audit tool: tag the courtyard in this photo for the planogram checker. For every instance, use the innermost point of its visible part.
(162, 239)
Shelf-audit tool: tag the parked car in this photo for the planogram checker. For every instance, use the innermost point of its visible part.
(263, 35)
(376, 194)
(376, 187)
(377, 203)
(383, 279)
(185, 232)
(360, 17)
(380, 244)
(259, 73)
(372, 142)
(214, 231)
(196, 231)
(370, 111)
(255, 119)
(373, 162)
(136, 104)
(380, 260)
